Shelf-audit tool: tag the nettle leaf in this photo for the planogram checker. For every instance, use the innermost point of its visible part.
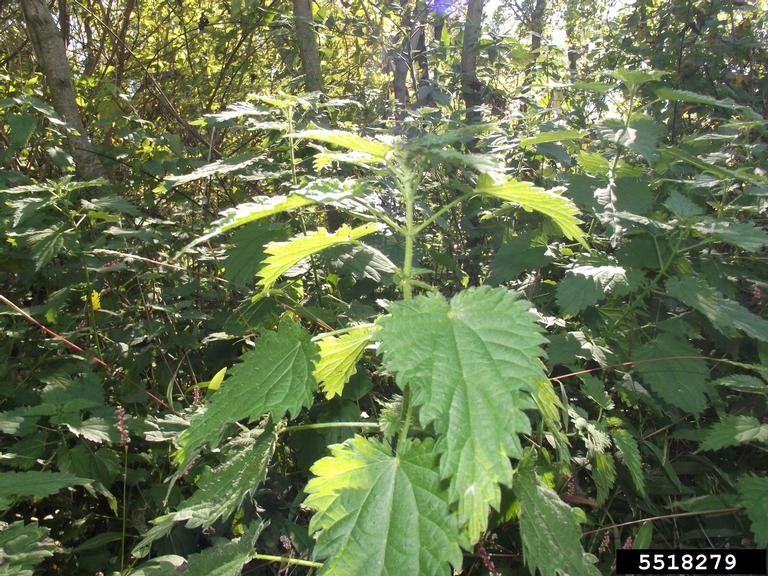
(552, 136)
(733, 430)
(374, 148)
(515, 256)
(223, 560)
(284, 255)
(34, 483)
(635, 78)
(381, 514)
(22, 547)
(243, 259)
(585, 285)
(681, 379)
(740, 234)
(472, 363)
(220, 490)
(225, 166)
(641, 136)
(338, 359)
(694, 98)
(260, 207)
(630, 452)
(549, 529)
(560, 209)
(727, 316)
(236, 110)
(603, 473)
(273, 378)
(742, 383)
(754, 498)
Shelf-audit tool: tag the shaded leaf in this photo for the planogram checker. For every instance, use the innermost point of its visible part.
(549, 529)
(680, 380)
(733, 430)
(727, 316)
(275, 377)
(754, 498)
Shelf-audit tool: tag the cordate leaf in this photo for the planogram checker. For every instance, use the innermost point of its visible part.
(471, 363)
(380, 514)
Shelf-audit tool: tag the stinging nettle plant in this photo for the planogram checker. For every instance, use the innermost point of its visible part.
(415, 488)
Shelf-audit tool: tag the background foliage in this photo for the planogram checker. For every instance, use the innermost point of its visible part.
(333, 287)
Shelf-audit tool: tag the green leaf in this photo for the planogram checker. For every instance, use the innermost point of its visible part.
(740, 234)
(223, 560)
(260, 207)
(733, 430)
(338, 359)
(236, 110)
(22, 547)
(641, 136)
(636, 78)
(275, 377)
(603, 473)
(559, 208)
(226, 166)
(727, 316)
(553, 136)
(220, 490)
(244, 258)
(375, 148)
(285, 255)
(586, 284)
(471, 364)
(754, 498)
(719, 171)
(694, 98)
(743, 383)
(47, 243)
(22, 127)
(517, 255)
(379, 514)
(549, 529)
(680, 380)
(593, 163)
(34, 483)
(630, 452)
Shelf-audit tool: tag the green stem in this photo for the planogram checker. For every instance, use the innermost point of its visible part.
(286, 560)
(442, 211)
(409, 194)
(321, 425)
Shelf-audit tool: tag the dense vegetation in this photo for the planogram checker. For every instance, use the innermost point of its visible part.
(381, 288)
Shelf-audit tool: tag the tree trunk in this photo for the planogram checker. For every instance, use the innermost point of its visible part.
(419, 54)
(470, 85)
(52, 56)
(306, 40)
